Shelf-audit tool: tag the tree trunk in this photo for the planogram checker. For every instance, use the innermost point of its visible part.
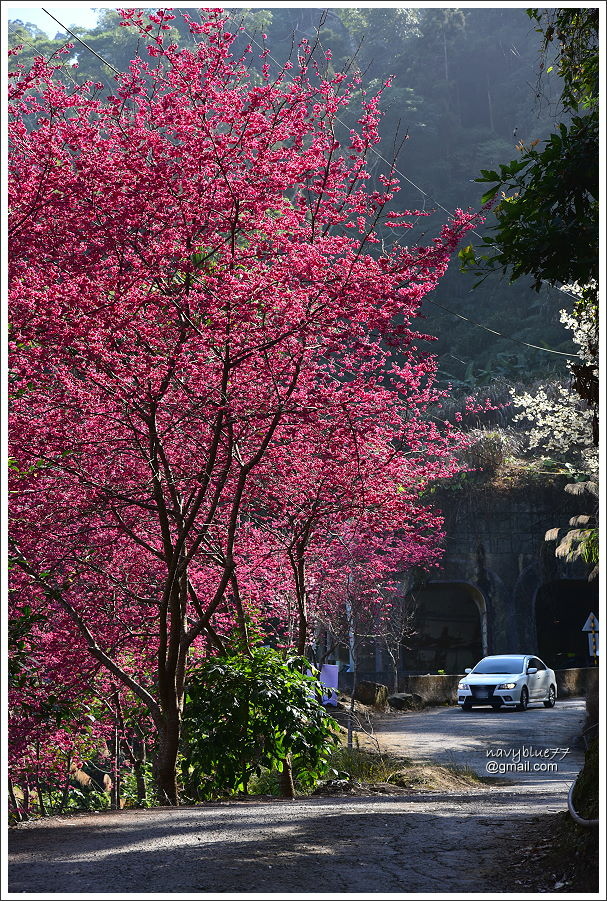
(395, 673)
(287, 789)
(140, 782)
(490, 107)
(41, 804)
(165, 767)
(13, 799)
(139, 757)
(65, 794)
(26, 801)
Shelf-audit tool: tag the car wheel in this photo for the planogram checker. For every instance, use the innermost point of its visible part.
(551, 700)
(466, 706)
(524, 701)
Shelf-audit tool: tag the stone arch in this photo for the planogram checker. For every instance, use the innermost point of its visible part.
(561, 608)
(451, 627)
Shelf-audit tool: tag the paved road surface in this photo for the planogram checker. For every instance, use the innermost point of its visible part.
(538, 746)
(452, 842)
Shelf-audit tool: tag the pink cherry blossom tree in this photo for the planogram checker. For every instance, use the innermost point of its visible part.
(197, 290)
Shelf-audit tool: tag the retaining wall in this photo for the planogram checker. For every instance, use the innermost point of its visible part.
(570, 683)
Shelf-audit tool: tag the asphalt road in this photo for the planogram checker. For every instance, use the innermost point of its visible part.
(538, 747)
(383, 844)
(426, 842)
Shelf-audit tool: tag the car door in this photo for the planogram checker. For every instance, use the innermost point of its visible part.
(535, 681)
(544, 680)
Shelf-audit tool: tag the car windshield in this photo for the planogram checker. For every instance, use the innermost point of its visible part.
(499, 665)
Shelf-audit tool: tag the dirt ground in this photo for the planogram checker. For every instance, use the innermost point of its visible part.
(454, 842)
(461, 837)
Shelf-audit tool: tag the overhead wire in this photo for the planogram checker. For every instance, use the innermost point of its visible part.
(495, 332)
(64, 68)
(402, 175)
(80, 41)
(425, 194)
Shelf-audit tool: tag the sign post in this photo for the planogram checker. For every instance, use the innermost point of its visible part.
(591, 626)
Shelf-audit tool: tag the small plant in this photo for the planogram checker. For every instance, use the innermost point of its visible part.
(357, 764)
(489, 449)
(246, 714)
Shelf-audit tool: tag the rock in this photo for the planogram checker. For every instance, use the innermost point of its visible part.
(405, 701)
(373, 693)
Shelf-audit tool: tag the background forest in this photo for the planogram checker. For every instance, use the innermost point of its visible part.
(466, 89)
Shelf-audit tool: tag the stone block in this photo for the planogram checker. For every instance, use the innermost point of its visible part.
(372, 693)
(404, 700)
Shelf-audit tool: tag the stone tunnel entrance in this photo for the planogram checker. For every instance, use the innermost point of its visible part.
(561, 609)
(451, 628)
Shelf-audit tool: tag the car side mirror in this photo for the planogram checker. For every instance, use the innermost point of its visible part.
(468, 670)
(531, 670)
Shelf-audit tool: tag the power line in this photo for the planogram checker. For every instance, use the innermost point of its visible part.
(75, 36)
(64, 68)
(547, 350)
(424, 194)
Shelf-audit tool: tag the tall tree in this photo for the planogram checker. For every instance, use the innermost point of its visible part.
(454, 127)
(191, 259)
(547, 219)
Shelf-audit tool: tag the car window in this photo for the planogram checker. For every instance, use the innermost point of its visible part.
(499, 665)
(537, 663)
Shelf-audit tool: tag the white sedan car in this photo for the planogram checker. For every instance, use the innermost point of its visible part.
(507, 680)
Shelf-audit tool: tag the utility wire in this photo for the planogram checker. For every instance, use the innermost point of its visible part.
(80, 41)
(425, 194)
(493, 331)
(64, 67)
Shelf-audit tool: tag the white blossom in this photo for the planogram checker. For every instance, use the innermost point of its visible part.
(560, 421)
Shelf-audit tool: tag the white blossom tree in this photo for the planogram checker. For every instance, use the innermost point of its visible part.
(564, 421)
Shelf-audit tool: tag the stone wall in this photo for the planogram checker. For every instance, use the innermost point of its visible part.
(437, 690)
(577, 683)
(495, 541)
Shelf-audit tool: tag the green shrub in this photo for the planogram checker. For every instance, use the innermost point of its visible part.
(244, 714)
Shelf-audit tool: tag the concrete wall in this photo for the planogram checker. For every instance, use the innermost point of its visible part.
(437, 690)
(495, 541)
(495, 546)
(433, 689)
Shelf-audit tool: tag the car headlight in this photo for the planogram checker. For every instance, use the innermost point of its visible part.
(508, 686)
(463, 686)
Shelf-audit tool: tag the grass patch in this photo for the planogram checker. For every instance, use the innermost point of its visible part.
(435, 777)
(361, 765)
(356, 770)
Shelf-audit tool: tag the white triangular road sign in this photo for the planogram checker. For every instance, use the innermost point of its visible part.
(591, 624)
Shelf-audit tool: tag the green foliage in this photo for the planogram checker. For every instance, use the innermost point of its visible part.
(589, 548)
(547, 218)
(364, 765)
(577, 62)
(489, 449)
(243, 714)
(548, 215)
(128, 786)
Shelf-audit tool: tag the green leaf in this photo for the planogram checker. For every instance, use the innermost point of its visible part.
(488, 175)
(489, 195)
